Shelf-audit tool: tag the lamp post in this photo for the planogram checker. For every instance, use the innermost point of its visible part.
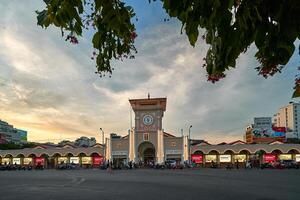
(102, 135)
(190, 156)
(103, 144)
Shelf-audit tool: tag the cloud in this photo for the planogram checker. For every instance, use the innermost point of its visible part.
(48, 86)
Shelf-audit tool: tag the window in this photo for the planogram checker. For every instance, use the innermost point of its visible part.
(119, 145)
(146, 136)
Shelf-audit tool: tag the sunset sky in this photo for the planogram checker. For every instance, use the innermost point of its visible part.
(48, 86)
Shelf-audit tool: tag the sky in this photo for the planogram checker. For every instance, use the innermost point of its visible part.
(48, 86)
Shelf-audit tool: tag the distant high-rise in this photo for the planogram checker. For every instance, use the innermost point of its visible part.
(9, 134)
(289, 117)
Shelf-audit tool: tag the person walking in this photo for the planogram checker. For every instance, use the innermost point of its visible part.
(237, 164)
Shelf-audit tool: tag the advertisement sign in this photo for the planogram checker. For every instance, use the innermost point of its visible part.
(285, 157)
(5, 161)
(240, 158)
(279, 129)
(297, 156)
(39, 161)
(197, 158)
(27, 161)
(74, 160)
(269, 158)
(225, 158)
(262, 126)
(210, 158)
(22, 134)
(62, 160)
(16, 161)
(86, 160)
(97, 160)
(261, 132)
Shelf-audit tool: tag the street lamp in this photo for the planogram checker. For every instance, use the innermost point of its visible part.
(102, 135)
(190, 156)
(103, 144)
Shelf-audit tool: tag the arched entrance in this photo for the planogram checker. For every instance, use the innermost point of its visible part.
(146, 152)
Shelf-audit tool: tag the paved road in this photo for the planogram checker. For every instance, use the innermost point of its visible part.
(151, 184)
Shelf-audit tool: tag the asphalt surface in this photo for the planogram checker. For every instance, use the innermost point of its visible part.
(151, 184)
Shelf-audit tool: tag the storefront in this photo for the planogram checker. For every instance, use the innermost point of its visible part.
(6, 161)
(285, 157)
(16, 161)
(62, 160)
(197, 159)
(39, 161)
(74, 160)
(97, 161)
(86, 161)
(27, 161)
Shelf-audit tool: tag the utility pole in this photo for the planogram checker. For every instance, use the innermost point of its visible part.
(102, 135)
(103, 144)
(190, 156)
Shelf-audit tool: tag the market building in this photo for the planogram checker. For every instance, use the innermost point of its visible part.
(50, 156)
(238, 151)
(147, 141)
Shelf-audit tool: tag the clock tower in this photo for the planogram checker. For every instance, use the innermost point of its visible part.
(148, 132)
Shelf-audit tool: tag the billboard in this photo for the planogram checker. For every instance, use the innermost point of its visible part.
(197, 158)
(275, 132)
(22, 134)
(225, 158)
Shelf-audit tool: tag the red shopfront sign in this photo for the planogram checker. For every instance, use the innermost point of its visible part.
(279, 129)
(97, 160)
(39, 160)
(269, 158)
(197, 158)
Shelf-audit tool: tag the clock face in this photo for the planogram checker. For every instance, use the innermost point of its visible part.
(148, 119)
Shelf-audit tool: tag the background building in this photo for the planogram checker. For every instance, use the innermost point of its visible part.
(9, 134)
(263, 131)
(289, 117)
